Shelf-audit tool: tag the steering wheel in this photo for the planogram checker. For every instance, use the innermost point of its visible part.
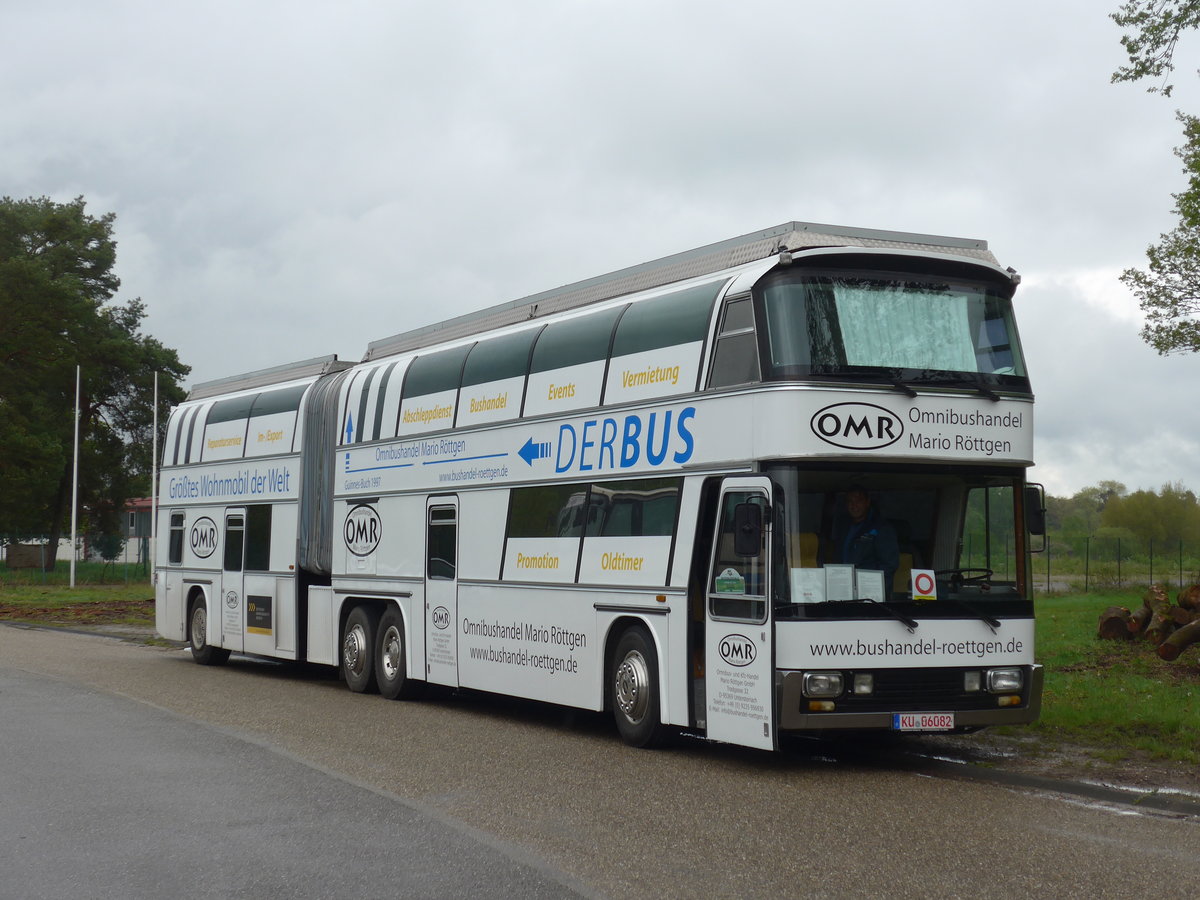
(971, 576)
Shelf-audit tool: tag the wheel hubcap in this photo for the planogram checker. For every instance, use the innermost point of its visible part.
(632, 686)
(199, 628)
(392, 652)
(354, 649)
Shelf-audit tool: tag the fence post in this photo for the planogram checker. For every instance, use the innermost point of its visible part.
(1118, 562)
(1181, 564)
(1087, 563)
(1152, 560)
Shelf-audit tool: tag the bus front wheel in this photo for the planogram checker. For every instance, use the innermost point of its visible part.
(635, 692)
(202, 651)
(358, 651)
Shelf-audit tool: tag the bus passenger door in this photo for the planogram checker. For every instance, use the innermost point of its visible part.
(739, 652)
(232, 598)
(441, 590)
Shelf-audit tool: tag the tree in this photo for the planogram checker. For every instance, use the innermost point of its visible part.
(1166, 517)
(56, 288)
(1168, 292)
(1075, 519)
(1157, 25)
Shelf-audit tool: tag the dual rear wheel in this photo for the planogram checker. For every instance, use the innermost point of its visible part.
(374, 654)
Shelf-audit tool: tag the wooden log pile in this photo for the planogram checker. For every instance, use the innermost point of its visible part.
(1171, 628)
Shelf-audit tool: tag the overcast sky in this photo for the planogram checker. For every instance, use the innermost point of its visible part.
(293, 179)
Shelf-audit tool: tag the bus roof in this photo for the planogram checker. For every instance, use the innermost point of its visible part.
(318, 365)
(727, 254)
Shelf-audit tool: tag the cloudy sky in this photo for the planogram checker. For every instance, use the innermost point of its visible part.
(294, 178)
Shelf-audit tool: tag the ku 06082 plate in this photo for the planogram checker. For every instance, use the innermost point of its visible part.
(922, 721)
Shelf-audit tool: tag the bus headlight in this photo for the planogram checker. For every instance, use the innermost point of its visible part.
(823, 684)
(1005, 681)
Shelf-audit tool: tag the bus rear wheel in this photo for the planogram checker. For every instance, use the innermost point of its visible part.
(202, 651)
(635, 692)
(391, 659)
(358, 651)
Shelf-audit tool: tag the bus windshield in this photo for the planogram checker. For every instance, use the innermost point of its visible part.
(843, 538)
(868, 325)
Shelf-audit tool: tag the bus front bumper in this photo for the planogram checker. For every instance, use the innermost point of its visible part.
(878, 713)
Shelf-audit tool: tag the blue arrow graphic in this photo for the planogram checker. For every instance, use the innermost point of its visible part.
(350, 429)
(531, 451)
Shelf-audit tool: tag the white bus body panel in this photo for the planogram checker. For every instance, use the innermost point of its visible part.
(722, 432)
(322, 627)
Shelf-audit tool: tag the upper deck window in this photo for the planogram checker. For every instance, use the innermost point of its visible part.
(735, 357)
(677, 318)
(286, 400)
(573, 341)
(499, 358)
(900, 326)
(435, 372)
(231, 409)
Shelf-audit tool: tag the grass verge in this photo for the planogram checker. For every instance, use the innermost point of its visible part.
(89, 604)
(1115, 697)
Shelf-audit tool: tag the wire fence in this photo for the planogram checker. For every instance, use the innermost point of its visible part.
(31, 558)
(1092, 563)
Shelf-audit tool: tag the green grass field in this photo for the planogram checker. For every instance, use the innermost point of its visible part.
(98, 598)
(1117, 697)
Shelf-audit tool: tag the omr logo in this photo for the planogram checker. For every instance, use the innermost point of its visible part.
(203, 537)
(737, 650)
(231, 600)
(441, 618)
(362, 530)
(857, 426)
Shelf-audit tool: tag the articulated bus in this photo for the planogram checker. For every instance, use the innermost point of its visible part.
(773, 485)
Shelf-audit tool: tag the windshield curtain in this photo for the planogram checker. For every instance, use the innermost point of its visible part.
(915, 327)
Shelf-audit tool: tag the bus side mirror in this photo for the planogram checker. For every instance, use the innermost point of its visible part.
(747, 529)
(1035, 509)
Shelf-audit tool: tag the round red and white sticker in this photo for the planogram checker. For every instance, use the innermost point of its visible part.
(924, 584)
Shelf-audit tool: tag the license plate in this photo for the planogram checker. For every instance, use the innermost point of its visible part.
(922, 721)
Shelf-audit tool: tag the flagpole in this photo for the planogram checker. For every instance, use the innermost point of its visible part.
(154, 486)
(75, 479)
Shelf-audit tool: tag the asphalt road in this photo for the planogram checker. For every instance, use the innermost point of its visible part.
(260, 776)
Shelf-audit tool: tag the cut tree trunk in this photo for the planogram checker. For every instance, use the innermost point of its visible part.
(1114, 624)
(1161, 623)
(1189, 598)
(1181, 616)
(1176, 643)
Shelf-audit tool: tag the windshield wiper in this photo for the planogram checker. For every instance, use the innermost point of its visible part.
(908, 622)
(991, 621)
(901, 386)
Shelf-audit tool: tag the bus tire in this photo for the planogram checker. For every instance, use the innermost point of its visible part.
(202, 651)
(358, 651)
(391, 659)
(635, 692)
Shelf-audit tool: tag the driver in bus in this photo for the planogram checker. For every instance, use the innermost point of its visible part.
(870, 541)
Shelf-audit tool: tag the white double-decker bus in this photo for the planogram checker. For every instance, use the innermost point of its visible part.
(775, 484)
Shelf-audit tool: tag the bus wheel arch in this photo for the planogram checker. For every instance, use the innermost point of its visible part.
(634, 684)
(391, 657)
(203, 652)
